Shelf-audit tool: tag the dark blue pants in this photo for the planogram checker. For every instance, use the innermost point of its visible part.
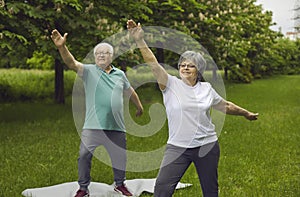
(176, 161)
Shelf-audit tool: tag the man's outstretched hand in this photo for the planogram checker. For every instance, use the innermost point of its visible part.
(58, 40)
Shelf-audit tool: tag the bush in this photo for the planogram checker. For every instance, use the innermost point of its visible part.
(41, 61)
(18, 84)
(143, 75)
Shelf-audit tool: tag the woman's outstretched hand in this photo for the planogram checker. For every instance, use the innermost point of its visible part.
(135, 30)
(251, 116)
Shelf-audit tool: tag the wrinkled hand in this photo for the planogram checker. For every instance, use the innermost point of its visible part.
(251, 116)
(135, 30)
(58, 40)
(139, 112)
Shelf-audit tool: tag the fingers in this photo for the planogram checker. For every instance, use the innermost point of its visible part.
(135, 30)
(55, 34)
(256, 116)
(58, 39)
(65, 36)
(131, 24)
(253, 116)
(138, 113)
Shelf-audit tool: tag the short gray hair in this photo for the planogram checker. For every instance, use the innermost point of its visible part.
(195, 57)
(111, 48)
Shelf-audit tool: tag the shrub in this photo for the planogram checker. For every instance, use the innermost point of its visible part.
(42, 61)
(18, 84)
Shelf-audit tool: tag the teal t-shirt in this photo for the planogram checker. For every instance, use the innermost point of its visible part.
(104, 98)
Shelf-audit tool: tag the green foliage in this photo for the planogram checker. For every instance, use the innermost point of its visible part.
(234, 32)
(281, 58)
(40, 61)
(17, 84)
(240, 74)
(284, 57)
(142, 75)
(10, 35)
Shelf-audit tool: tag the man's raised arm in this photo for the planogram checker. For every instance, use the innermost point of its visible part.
(68, 58)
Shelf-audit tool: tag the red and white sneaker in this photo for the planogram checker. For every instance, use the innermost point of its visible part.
(82, 193)
(123, 190)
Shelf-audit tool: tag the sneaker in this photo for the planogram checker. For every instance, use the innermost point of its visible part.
(123, 190)
(82, 193)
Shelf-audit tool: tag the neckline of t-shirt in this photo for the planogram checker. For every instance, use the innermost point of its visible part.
(102, 70)
(198, 83)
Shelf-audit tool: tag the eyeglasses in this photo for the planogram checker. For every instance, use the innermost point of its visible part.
(102, 53)
(187, 66)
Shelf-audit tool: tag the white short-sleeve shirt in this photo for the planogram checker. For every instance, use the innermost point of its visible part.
(188, 112)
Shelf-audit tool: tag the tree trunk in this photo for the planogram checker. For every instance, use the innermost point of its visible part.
(226, 73)
(59, 82)
(214, 74)
(160, 52)
(123, 66)
(160, 56)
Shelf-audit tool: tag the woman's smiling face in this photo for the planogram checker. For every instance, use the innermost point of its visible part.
(188, 71)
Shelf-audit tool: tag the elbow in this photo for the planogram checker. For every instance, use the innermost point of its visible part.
(228, 107)
(73, 65)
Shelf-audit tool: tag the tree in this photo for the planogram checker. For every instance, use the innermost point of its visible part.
(26, 27)
(31, 22)
(234, 32)
(283, 58)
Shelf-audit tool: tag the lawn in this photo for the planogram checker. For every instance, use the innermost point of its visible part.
(40, 143)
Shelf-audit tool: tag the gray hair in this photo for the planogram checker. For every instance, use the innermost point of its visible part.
(111, 49)
(195, 57)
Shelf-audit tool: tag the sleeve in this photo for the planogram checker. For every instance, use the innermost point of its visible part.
(169, 83)
(85, 72)
(126, 83)
(216, 98)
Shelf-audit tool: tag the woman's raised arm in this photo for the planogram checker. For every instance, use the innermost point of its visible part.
(159, 72)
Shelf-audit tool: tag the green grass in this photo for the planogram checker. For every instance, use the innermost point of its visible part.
(21, 84)
(39, 144)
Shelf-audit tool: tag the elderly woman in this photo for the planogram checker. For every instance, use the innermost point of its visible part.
(192, 136)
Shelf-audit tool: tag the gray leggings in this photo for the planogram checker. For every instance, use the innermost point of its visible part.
(115, 144)
(176, 161)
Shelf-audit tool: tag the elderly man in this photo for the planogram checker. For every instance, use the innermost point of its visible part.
(104, 122)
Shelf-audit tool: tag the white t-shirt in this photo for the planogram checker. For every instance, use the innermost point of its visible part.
(188, 112)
